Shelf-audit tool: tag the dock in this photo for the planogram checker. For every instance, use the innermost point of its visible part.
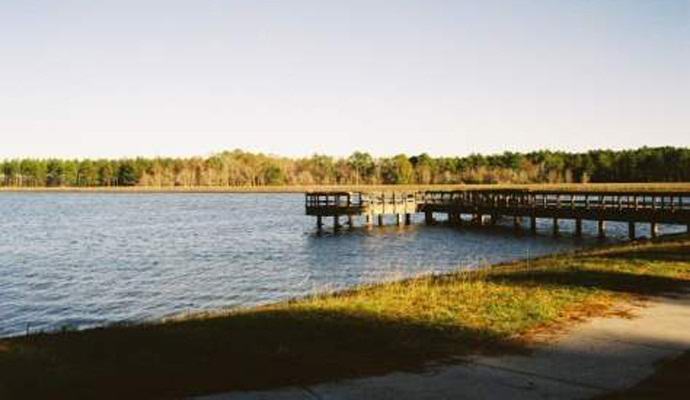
(487, 206)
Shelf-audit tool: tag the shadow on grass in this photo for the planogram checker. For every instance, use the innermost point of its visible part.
(662, 253)
(255, 350)
(615, 281)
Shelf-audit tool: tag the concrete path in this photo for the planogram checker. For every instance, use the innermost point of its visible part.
(595, 357)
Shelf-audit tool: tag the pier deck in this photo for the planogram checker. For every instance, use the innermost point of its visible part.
(488, 205)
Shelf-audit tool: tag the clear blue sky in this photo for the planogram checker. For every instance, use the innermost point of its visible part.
(124, 78)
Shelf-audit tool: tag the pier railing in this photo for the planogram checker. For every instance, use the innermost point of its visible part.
(665, 205)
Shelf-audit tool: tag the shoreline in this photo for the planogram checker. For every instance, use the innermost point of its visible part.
(604, 187)
(186, 316)
(366, 331)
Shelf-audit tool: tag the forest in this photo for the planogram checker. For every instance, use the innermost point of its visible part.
(239, 168)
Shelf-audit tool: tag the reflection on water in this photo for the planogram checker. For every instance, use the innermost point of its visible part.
(89, 259)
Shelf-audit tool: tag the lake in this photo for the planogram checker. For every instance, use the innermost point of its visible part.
(83, 260)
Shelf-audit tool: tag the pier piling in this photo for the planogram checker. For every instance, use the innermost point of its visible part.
(533, 225)
(631, 230)
(601, 229)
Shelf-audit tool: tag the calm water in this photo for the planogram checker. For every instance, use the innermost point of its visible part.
(81, 260)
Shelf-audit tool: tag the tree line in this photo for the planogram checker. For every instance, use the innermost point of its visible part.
(240, 168)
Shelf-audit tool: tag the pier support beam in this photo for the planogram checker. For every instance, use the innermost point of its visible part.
(601, 229)
(336, 223)
(653, 230)
(350, 222)
(556, 228)
(319, 223)
(380, 218)
(370, 220)
(533, 225)
(408, 219)
(398, 219)
(578, 227)
(631, 230)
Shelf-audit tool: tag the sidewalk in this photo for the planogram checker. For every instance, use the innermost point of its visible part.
(592, 358)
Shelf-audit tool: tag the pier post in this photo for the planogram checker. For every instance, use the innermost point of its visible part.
(336, 222)
(319, 223)
(516, 222)
(380, 218)
(556, 230)
(601, 229)
(370, 220)
(533, 225)
(578, 227)
(408, 219)
(631, 230)
(428, 217)
(654, 230)
(455, 219)
(398, 219)
(350, 222)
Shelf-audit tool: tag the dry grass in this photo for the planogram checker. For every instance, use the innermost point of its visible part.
(670, 187)
(375, 329)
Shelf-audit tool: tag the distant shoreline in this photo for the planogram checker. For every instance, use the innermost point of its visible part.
(676, 186)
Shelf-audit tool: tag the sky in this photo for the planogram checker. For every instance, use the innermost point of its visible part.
(116, 78)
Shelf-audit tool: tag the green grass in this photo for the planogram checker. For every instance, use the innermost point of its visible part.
(376, 329)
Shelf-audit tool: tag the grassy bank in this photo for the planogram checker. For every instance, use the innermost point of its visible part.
(642, 187)
(370, 330)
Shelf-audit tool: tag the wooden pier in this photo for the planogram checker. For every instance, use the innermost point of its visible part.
(486, 206)
(371, 205)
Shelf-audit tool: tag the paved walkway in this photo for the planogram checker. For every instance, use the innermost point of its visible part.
(594, 357)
